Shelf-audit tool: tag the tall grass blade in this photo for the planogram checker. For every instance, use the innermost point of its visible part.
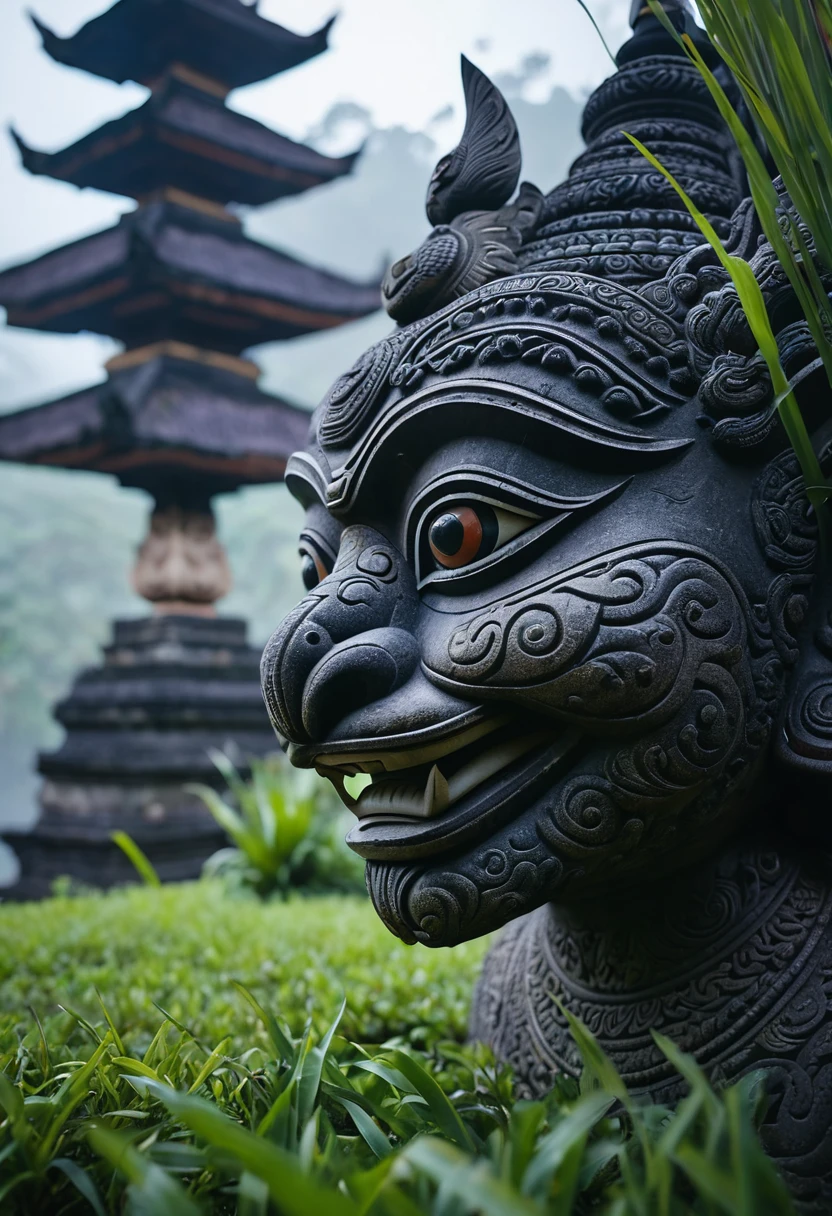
(291, 1190)
(368, 1128)
(447, 1118)
(571, 1130)
(471, 1183)
(82, 1182)
(141, 862)
(313, 1065)
(152, 1191)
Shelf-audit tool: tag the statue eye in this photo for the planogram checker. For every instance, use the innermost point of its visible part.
(312, 568)
(460, 535)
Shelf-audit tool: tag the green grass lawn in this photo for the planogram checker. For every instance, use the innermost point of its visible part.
(185, 1051)
(181, 947)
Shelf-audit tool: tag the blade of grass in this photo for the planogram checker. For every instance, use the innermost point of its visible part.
(141, 862)
(82, 1182)
(552, 1150)
(597, 28)
(291, 1190)
(441, 1108)
(153, 1190)
(214, 1060)
(470, 1182)
(368, 1128)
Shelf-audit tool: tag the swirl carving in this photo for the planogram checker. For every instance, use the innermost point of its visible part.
(816, 711)
(641, 630)
(355, 396)
(665, 76)
(636, 189)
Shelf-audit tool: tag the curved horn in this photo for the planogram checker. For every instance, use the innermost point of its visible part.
(483, 170)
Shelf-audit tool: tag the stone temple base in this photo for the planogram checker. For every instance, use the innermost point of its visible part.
(138, 728)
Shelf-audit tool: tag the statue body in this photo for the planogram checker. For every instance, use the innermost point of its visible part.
(732, 959)
(564, 609)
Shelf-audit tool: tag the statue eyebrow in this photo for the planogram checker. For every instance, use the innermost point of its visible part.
(306, 478)
(635, 448)
(520, 493)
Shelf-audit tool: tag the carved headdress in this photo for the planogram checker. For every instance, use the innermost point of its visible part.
(618, 220)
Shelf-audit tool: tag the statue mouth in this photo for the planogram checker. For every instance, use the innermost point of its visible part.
(428, 799)
(428, 790)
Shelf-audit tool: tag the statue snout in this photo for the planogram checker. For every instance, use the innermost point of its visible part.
(348, 643)
(355, 674)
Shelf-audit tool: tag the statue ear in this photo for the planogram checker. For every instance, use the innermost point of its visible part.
(803, 741)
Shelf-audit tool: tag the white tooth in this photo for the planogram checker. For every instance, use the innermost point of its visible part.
(437, 798)
(405, 798)
(392, 797)
(490, 762)
(400, 801)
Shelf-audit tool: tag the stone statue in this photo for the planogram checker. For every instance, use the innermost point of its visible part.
(564, 610)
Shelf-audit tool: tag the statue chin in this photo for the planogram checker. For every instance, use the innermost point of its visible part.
(566, 617)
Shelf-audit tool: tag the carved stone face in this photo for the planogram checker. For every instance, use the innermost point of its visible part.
(539, 613)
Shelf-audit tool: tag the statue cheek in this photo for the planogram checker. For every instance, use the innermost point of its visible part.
(618, 652)
(513, 646)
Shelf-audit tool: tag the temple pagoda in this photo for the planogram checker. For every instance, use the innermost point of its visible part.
(180, 414)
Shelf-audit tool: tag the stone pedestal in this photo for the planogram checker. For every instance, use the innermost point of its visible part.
(139, 728)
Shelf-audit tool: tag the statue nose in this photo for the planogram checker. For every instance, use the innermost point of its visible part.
(346, 644)
(355, 674)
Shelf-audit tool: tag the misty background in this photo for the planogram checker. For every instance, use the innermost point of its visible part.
(391, 81)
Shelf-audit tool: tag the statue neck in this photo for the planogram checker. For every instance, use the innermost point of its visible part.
(652, 940)
(732, 961)
(713, 959)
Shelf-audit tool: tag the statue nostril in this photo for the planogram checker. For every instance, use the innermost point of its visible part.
(313, 638)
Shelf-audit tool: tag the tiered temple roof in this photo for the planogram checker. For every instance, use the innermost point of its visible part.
(186, 138)
(178, 272)
(180, 414)
(184, 273)
(165, 414)
(225, 40)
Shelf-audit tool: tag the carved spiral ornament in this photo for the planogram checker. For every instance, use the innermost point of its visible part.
(816, 712)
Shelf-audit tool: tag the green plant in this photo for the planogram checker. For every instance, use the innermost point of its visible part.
(321, 1124)
(181, 946)
(389, 1112)
(286, 831)
(779, 53)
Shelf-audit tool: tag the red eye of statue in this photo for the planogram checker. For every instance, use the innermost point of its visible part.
(459, 535)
